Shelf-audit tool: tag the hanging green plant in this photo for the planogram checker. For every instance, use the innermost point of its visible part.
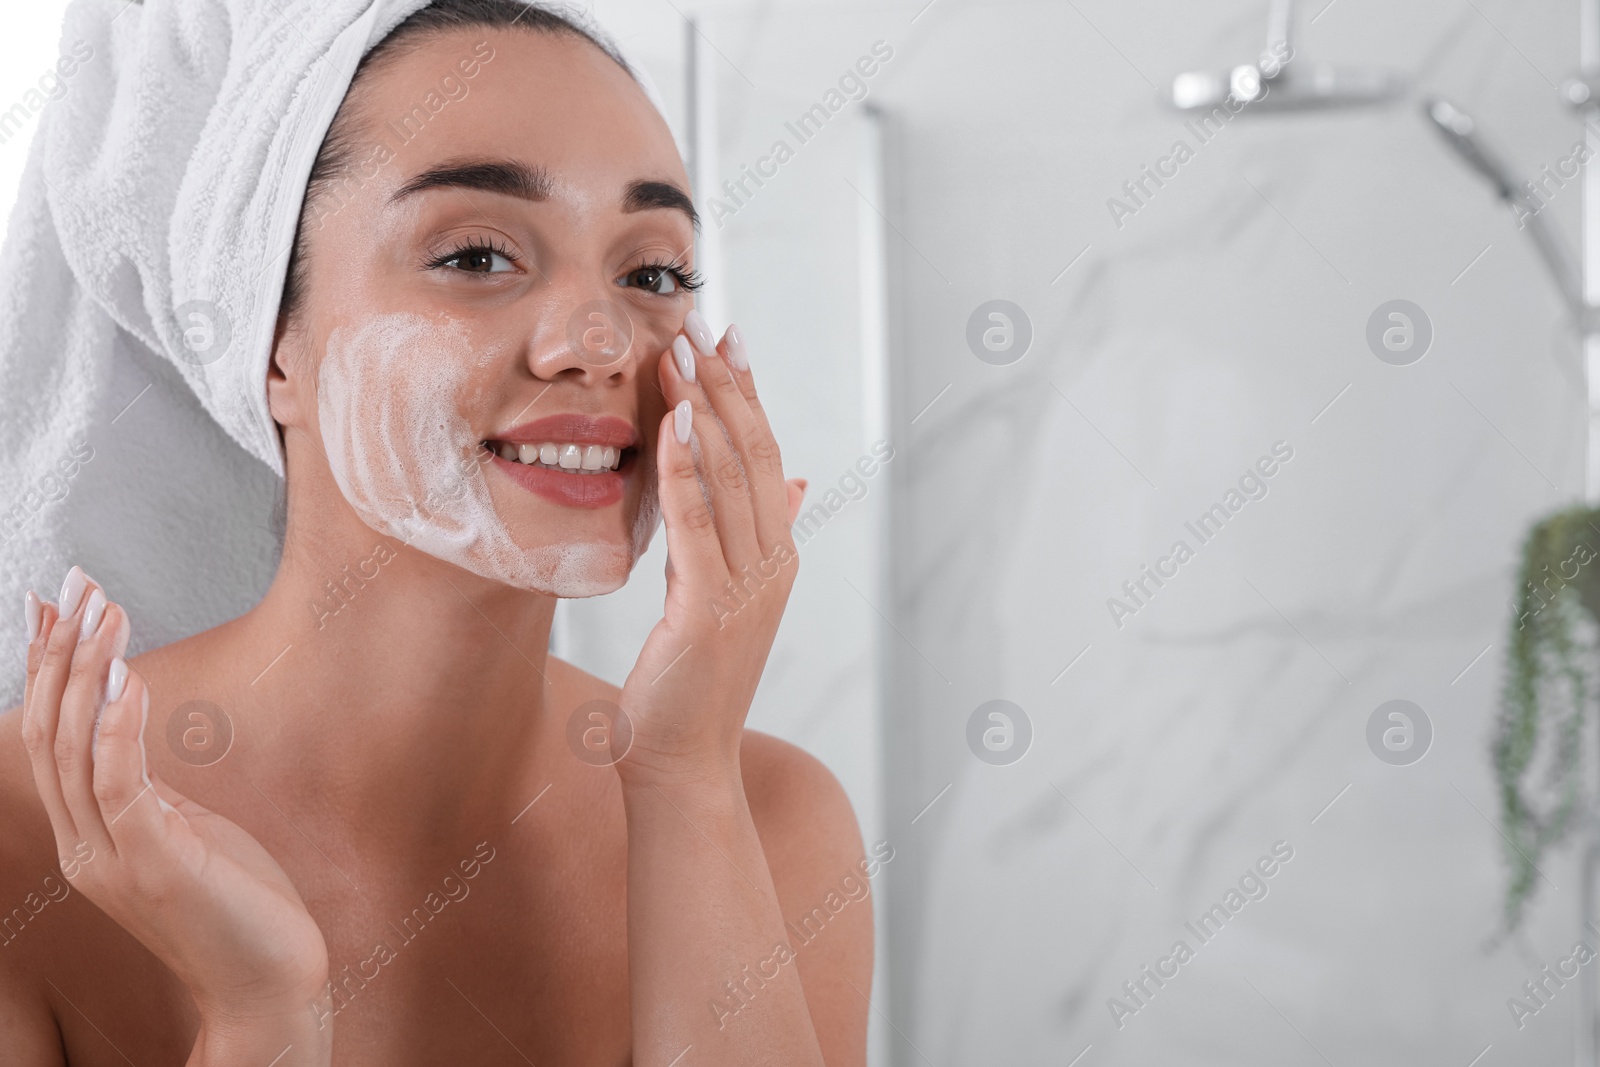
(1549, 691)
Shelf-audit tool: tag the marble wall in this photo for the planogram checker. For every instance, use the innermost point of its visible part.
(1174, 746)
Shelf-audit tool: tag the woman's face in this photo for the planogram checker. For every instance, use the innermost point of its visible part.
(489, 290)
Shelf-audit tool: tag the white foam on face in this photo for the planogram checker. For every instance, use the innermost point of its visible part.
(393, 392)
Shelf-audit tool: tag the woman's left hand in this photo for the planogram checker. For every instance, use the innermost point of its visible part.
(730, 570)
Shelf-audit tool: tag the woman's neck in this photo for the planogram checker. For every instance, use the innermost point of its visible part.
(394, 685)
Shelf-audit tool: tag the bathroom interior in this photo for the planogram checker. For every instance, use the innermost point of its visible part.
(1043, 290)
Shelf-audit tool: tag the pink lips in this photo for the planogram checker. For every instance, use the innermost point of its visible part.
(577, 429)
(587, 490)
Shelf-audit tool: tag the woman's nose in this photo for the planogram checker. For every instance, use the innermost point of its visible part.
(593, 336)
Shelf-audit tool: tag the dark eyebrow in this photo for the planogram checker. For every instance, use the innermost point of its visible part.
(513, 178)
(644, 195)
(506, 176)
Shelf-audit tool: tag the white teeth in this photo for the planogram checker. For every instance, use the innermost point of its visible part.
(570, 457)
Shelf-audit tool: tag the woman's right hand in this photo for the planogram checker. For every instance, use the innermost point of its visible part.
(197, 891)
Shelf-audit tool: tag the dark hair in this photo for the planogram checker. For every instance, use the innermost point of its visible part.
(340, 146)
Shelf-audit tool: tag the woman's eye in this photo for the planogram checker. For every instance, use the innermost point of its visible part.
(479, 261)
(653, 279)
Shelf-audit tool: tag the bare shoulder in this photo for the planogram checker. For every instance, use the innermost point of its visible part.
(799, 807)
(30, 884)
(823, 878)
(27, 848)
(800, 810)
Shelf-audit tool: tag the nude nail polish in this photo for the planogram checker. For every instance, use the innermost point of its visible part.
(93, 612)
(33, 609)
(685, 357)
(682, 419)
(738, 355)
(116, 679)
(699, 331)
(72, 590)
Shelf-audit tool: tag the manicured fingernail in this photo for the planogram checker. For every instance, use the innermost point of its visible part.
(116, 679)
(33, 608)
(737, 354)
(72, 590)
(699, 332)
(92, 614)
(685, 357)
(682, 419)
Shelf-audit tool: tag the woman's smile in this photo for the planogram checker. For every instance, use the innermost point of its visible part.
(573, 459)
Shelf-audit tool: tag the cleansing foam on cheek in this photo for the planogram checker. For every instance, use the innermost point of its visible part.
(391, 393)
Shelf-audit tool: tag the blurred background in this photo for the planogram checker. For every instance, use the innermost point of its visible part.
(1157, 343)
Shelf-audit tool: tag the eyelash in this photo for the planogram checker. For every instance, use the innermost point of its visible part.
(476, 244)
(687, 280)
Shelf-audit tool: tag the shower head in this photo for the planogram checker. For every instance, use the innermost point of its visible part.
(1461, 133)
(1299, 88)
(1274, 83)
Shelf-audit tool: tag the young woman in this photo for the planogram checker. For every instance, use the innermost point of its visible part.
(429, 841)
